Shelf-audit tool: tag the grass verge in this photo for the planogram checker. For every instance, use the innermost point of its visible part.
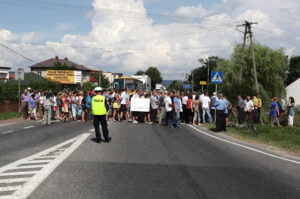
(283, 137)
(9, 115)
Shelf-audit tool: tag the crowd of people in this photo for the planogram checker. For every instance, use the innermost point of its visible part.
(169, 108)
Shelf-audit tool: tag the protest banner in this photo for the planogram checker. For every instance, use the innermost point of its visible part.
(140, 105)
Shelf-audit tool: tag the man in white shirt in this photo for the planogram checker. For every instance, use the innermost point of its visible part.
(185, 111)
(205, 100)
(248, 108)
(168, 105)
(124, 101)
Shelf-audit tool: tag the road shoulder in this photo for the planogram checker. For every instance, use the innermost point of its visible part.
(278, 151)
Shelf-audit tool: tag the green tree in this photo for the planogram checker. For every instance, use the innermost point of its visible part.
(271, 67)
(104, 81)
(200, 73)
(155, 75)
(140, 72)
(88, 87)
(294, 70)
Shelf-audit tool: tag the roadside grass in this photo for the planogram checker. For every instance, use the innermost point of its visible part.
(9, 115)
(283, 137)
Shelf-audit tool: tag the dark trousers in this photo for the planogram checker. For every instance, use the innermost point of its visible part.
(189, 116)
(169, 117)
(221, 121)
(89, 114)
(153, 115)
(257, 116)
(25, 110)
(100, 119)
(241, 115)
(185, 113)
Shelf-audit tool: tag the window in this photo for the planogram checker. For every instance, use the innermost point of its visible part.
(39, 73)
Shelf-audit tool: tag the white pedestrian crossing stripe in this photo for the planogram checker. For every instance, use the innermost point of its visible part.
(20, 178)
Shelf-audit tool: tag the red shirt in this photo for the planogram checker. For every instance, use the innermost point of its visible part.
(189, 104)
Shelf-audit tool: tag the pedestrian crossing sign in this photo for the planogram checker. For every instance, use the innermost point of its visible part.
(216, 77)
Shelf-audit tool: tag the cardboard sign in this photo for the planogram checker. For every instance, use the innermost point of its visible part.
(140, 105)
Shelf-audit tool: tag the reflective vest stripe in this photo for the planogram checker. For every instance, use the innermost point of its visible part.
(98, 105)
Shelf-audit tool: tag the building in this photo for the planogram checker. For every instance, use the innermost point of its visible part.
(4, 73)
(42, 67)
(293, 90)
(112, 76)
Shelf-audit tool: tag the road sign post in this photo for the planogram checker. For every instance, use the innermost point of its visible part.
(19, 76)
(216, 78)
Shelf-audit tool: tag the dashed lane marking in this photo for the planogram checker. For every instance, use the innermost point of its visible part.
(7, 132)
(19, 179)
(246, 147)
(29, 127)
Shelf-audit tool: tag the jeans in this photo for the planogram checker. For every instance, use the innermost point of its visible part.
(176, 119)
(74, 110)
(89, 114)
(207, 111)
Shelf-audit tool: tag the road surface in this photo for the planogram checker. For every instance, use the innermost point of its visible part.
(142, 161)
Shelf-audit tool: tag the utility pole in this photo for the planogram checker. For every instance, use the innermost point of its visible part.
(243, 56)
(207, 74)
(247, 26)
(99, 84)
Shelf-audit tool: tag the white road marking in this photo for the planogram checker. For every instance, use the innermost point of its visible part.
(17, 173)
(7, 132)
(10, 188)
(246, 147)
(22, 192)
(92, 130)
(14, 180)
(29, 127)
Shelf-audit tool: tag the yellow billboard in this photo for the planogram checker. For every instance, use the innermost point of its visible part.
(64, 76)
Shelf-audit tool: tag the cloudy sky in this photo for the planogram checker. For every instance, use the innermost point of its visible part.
(128, 35)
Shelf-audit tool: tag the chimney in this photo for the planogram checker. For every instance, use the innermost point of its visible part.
(56, 58)
(66, 58)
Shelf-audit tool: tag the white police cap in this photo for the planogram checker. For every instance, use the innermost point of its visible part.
(98, 89)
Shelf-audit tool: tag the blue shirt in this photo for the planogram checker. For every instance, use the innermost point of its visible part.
(221, 104)
(88, 100)
(32, 102)
(177, 103)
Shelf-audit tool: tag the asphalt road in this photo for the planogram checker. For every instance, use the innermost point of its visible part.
(150, 161)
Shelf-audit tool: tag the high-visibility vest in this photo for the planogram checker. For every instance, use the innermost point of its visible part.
(98, 105)
(257, 103)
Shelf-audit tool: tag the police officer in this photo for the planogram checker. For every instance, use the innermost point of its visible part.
(99, 113)
(221, 106)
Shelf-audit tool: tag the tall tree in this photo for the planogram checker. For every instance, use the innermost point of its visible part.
(155, 75)
(201, 73)
(271, 68)
(294, 70)
(140, 72)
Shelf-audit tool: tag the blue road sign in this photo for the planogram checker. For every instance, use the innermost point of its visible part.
(187, 86)
(216, 77)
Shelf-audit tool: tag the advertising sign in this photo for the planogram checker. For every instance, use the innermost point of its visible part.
(140, 105)
(203, 82)
(64, 76)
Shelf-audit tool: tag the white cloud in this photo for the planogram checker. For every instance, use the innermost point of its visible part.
(124, 39)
